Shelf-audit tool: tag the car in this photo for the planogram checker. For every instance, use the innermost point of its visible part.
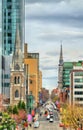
(51, 115)
(48, 117)
(51, 119)
(36, 124)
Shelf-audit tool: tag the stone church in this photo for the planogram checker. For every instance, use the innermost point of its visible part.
(17, 77)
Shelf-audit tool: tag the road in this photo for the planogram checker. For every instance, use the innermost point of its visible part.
(46, 125)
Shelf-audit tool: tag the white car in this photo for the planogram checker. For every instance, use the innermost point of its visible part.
(48, 117)
(51, 119)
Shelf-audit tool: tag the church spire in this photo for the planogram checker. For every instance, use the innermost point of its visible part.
(17, 40)
(17, 55)
(61, 56)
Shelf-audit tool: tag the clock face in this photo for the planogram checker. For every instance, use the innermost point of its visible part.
(17, 67)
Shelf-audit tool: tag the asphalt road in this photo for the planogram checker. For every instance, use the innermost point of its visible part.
(46, 125)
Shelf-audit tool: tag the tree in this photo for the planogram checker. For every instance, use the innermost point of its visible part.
(7, 122)
(21, 105)
(15, 110)
(72, 116)
(9, 109)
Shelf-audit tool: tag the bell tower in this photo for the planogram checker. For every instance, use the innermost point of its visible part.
(17, 78)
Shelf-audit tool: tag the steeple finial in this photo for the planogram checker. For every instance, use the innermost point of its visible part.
(61, 56)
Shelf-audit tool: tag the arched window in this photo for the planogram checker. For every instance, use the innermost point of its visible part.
(15, 80)
(18, 80)
(16, 93)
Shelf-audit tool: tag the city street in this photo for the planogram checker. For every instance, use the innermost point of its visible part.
(46, 125)
(49, 126)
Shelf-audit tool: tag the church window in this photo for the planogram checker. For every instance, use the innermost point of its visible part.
(15, 78)
(18, 80)
(16, 94)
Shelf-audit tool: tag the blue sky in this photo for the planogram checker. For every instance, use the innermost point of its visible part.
(47, 24)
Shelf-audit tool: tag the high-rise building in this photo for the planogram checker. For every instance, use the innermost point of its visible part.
(76, 86)
(12, 14)
(67, 67)
(12, 17)
(0, 45)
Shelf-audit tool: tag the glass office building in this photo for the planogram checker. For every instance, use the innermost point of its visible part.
(0, 45)
(13, 16)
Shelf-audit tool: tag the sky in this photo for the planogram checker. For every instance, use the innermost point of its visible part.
(48, 24)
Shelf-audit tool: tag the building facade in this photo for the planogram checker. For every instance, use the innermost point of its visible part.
(31, 60)
(76, 86)
(17, 77)
(0, 46)
(67, 67)
(12, 14)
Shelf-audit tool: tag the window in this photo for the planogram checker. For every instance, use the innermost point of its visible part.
(9, 7)
(9, 0)
(18, 80)
(16, 94)
(9, 34)
(79, 80)
(30, 81)
(9, 20)
(9, 41)
(15, 80)
(78, 86)
(9, 13)
(78, 92)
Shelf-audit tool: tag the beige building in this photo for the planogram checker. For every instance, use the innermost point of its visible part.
(31, 61)
(17, 77)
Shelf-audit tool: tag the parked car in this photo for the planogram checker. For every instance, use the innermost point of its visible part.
(36, 124)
